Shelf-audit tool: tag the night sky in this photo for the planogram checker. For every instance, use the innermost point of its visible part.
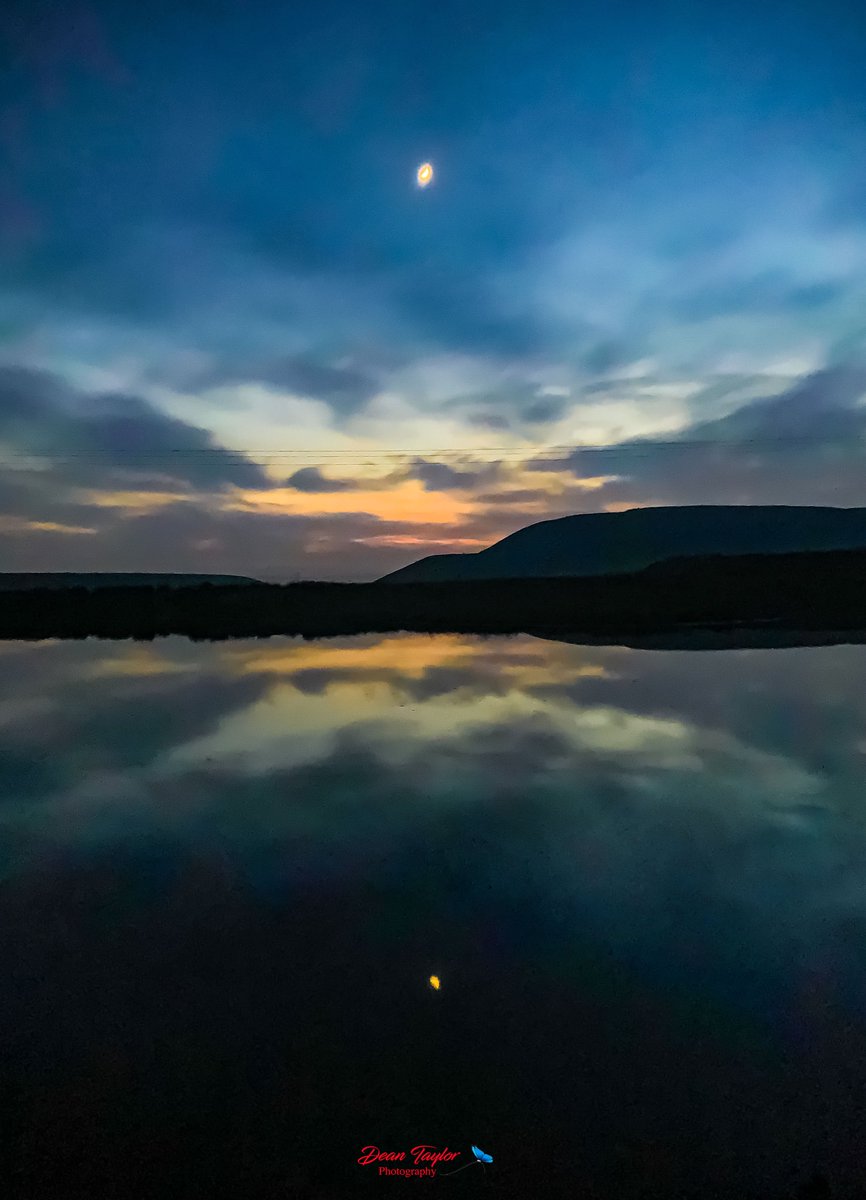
(236, 336)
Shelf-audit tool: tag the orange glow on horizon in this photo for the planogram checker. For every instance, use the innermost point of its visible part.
(407, 501)
(628, 505)
(411, 539)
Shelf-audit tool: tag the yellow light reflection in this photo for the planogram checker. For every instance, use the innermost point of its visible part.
(411, 656)
(425, 174)
(141, 662)
(435, 982)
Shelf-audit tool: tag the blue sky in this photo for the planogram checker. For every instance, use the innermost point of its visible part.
(235, 336)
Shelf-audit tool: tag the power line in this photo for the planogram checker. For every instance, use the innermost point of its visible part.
(356, 456)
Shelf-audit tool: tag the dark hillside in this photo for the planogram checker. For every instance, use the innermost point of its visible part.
(800, 591)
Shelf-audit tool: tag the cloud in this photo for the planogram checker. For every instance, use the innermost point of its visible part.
(768, 293)
(311, 479)
(516, 496)
(27, 395)
(518, 405)
(194, 536)
(273, 231)
(544, 410)
(345, 389)
(107, 439)
(825, 409)
(805, 446)
(441, 477)
(123, 723)
(462, 312)
(488, 420)
(156, 494)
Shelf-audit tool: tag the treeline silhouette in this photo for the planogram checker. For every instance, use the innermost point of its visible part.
(814, 591)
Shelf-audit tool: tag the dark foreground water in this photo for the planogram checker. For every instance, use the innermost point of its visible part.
(229, 871)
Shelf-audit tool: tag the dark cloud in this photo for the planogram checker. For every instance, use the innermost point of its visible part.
(27, 396)
(109, 439)
(311, 479)
(441, 477)
(488, 420)
(513, 405)
(544, 410)
(606, 356)
(516, 496)
(37, 496)
(806, 446)
(346, 389)
(824, 409)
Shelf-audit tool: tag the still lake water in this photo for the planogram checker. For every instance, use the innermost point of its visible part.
(229, 870)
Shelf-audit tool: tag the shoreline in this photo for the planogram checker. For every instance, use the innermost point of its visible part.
(714, 601)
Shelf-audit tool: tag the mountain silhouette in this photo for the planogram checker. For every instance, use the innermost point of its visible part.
(613, 543)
